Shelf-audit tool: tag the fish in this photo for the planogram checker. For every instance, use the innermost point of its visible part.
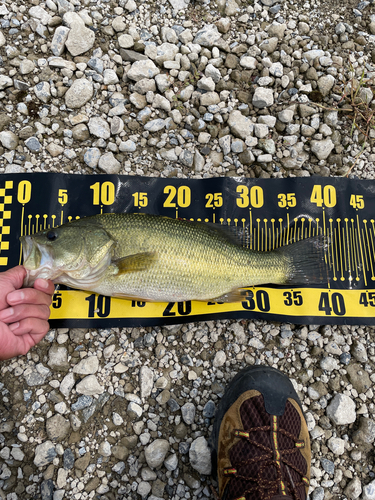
(155, 258)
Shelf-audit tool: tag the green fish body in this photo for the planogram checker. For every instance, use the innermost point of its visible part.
(155, 258)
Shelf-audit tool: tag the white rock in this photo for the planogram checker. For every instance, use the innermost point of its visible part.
(60, 36)
(219, 359)
(80, 39)
(142, 69)
(79, 93)
(109, 164)
(99, 127)
(200, 456)
(67, 384)
(369, 491)
(262, 97)
(341, 410)
(156, 452)
(44, 453)
(125, 41)
(89, 386)
(207, 36)
(5, 81)
(146, 381)
(248, 62)
(240, 125)
(336, 445)
(110, 77)
(87, 366)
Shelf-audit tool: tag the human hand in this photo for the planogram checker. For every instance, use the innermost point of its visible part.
(24, 312)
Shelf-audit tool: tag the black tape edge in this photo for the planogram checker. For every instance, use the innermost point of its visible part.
(144, 322)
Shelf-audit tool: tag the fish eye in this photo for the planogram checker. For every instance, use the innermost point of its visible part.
(51, 235)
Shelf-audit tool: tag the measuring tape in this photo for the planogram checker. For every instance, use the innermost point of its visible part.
(272, 212)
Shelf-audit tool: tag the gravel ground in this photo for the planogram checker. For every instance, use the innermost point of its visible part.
(187, 89)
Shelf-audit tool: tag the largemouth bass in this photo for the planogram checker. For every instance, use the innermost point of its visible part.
(155, 258)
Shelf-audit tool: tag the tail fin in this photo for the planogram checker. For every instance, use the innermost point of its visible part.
(306, 261)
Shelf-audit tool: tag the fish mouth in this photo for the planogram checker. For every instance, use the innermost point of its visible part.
(36, 261)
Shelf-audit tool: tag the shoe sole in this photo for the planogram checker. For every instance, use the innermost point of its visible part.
(275, 387)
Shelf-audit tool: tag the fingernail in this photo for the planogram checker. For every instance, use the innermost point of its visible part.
(16, 296)
(14, 326)
(6, 313)
(42, 283)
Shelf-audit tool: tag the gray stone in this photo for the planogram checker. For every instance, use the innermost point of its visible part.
(44, 453)
(46, 490)
(171, 462)
(165, 52)
(8, 139)
(322, 149)
(91, 157)
(200, 456)
(353, 489)
(188, 413)
(96, 64)
(341, 410)
(207, 36)
(109, 164)
(156, 452)
(224, 143)
(318, 493)
(58, 41)
(310, 55)
(358, 351)
(43, 91)
(5, 82)
(57, 428)
(269, 44)
(359, 378)
(58, 358)
(26, 66)
(128, 146)
(89, 386)
(79, 93)
(325, 84)
(99, 127)
(155, 125)
(186, 158)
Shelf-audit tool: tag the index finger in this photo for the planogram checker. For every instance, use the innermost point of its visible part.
(29, 296)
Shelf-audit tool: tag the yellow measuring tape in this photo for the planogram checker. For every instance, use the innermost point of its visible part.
(271, 213)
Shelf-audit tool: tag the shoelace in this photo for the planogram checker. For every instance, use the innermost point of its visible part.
(275, 458)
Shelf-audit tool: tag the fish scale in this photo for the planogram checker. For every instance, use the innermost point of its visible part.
(160, 259)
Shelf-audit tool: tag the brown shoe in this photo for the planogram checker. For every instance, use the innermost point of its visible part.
(260, 442)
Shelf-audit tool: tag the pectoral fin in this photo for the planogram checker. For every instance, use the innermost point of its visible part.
(236, 295)
(134, 263)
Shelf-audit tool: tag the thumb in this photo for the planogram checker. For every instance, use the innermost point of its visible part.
(14, 277)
